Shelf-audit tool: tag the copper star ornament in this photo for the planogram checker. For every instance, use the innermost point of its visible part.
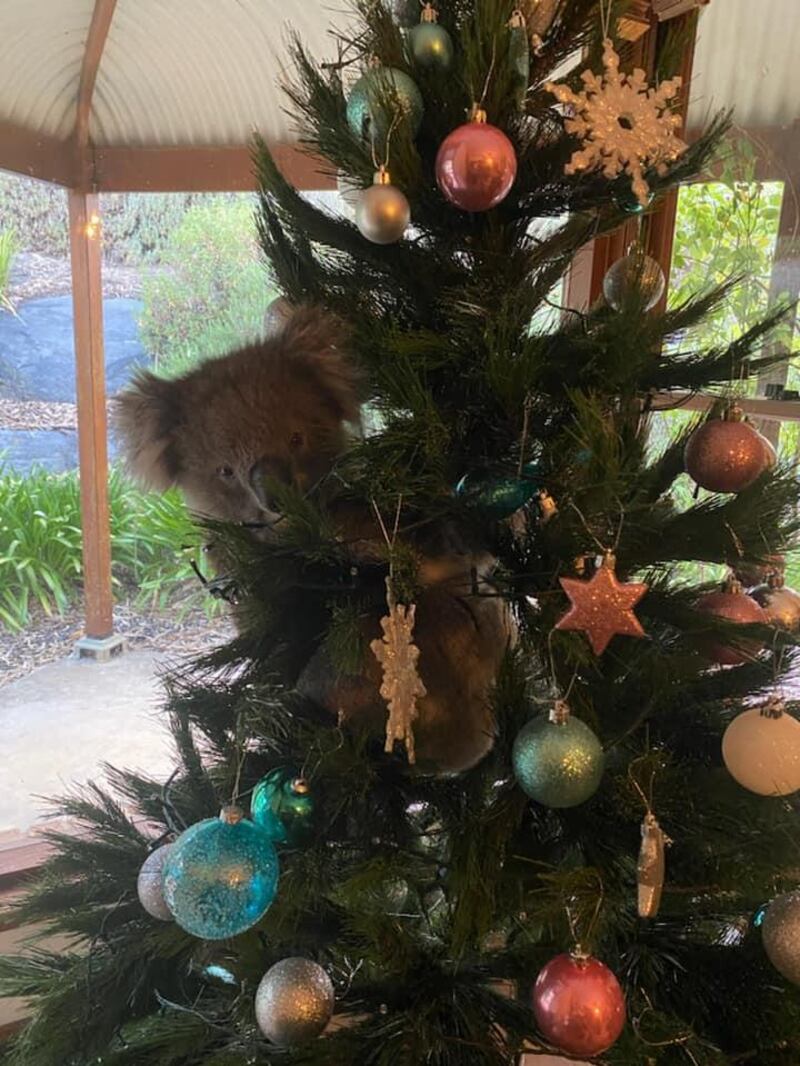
(602, 606)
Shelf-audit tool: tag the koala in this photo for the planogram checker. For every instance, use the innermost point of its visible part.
(273, 410)
(277, 411)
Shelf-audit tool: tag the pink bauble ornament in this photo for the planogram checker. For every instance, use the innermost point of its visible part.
(476, 164)
(579, 1005)
(733, 603)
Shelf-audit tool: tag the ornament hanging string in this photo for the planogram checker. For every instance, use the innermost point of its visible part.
(604, 549)
(392, 126)
(486, 84)
(581, 943)
(605, 18)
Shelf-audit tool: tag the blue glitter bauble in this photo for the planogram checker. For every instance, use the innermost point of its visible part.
(282, 805)
(374, 100)
(500, 496)
(558, 763)
(221, 876)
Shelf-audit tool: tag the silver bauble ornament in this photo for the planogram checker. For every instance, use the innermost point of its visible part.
(383, 212)
(429, 43)
(379, 95)
(294, 1002)
(149, 887)
(761, 749)
(780, 932)
(635, 273)
(558, 761)
(780, 604)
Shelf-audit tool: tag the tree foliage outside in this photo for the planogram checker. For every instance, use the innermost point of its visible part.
(493, 884)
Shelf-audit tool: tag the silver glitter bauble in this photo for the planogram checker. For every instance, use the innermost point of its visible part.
(635, 272)
(294, 1002)
(780, 932)
(383, 213)
(149, 887)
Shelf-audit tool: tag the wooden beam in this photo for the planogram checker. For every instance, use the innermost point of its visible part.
(87, 302)
(35, 155)
(93, 52)
(212, 169)
(756, 406)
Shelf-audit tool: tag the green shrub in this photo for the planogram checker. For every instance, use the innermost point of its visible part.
(214, 291)
(38, 213)
(40, 544)
(9, 246)
(137, 226)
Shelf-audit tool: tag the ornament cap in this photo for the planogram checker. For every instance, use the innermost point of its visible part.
(776, 579)
(477, 114)
(300, 786)
(560, 713)
(231, 814)
(429, 14)
(382, 176)
(733, 413)
(517, 20)
(773, 708)
(579, 955)
(733, 585)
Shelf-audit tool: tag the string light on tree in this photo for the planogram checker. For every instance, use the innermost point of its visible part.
(761, 749)
(624, 124)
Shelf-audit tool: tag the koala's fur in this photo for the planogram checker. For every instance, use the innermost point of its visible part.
(277, 409)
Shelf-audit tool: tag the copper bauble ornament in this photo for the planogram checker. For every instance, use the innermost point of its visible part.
(733, 603)
(725, 454)
(761, 749)
(781, 604)
(382, 212)
(579, 1005)
(476, 164)
(780, 932)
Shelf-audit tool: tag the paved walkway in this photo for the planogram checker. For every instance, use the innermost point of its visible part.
(61, 722)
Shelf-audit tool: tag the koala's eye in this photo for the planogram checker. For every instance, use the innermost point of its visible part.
(296, 440)
(225, 471)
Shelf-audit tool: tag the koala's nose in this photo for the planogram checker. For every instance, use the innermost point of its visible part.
(261, 474)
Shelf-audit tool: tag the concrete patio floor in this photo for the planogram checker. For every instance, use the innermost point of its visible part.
(59, 723)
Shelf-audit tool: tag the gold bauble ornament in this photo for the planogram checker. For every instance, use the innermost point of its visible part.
(382, 212)
(780, 604)
(780, 933)
(726, 454)
(761, 749)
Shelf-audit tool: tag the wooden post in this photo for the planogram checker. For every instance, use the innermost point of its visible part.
(87, 303)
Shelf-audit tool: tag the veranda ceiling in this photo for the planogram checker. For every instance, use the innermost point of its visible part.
(165, 94)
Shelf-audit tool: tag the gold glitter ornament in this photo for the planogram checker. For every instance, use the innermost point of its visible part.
(780, 604)
(294, 1002)
(402, 686)
(624, 124)
(761, 749)
(780, 932)
(651, 868)
(725, 454)
(602, 606)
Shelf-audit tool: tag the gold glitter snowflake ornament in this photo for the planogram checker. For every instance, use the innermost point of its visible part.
(402, 686)
(625, 125)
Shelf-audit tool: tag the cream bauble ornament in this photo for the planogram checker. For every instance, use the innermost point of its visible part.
(382, 212)
(761, 749)
(780, 604)
(294, 1002)
(780, 932)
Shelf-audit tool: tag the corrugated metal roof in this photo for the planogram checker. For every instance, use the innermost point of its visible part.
(205, 72)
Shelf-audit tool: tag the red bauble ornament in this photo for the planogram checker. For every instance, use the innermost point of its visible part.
(476, 164)
(579, 1005)
(733, 603)
(726, 454)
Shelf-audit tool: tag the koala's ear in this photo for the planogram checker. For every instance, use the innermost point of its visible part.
(146, 417)
(316, 342)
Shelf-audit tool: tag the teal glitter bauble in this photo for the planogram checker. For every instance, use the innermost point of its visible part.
(282, 804)
(500, 496)
(220, 876)
(431, 46)
(374, 100)
(558, 761)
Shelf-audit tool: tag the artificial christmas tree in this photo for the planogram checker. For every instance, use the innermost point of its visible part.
(430, 886)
